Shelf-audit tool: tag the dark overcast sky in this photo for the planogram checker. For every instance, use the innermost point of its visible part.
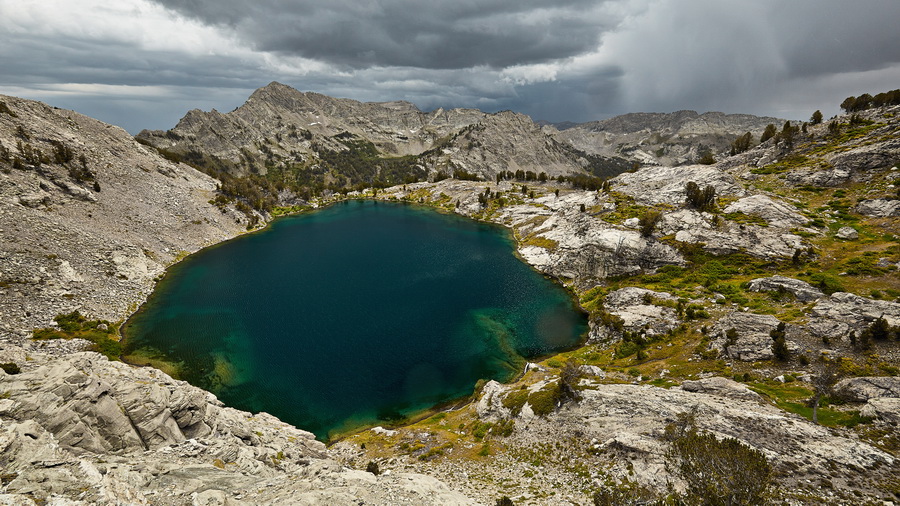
(144, 63)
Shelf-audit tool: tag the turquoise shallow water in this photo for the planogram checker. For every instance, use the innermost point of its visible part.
(361, 313)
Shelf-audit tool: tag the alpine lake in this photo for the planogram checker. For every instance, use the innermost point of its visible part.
(363, 313)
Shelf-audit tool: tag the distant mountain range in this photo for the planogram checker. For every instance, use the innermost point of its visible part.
(312, 139)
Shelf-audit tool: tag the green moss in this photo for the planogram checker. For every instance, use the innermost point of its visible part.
(542, 242)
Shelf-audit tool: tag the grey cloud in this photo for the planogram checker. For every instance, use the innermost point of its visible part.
(444, 35)
(746, 56)
(576, 60)
(832, 37)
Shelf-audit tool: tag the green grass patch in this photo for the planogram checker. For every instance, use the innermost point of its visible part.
(539, 241)
(747, 219)
(283, 210)
(103, 334)
(793, 161)
(793, 397)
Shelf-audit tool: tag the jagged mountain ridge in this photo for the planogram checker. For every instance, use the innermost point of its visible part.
(662, 138)
(280, 127)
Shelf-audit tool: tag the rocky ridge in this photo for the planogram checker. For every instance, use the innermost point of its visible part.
(279, 126)
(663, 138)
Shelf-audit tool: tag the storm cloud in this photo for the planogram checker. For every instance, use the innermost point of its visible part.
(144, 63)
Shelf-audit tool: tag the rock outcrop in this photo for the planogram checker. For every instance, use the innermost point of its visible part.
(666, 185)
(721, 387)
(106, 433)
(865, 388)
(800, 290)
(856, 312)
(776, 214)
(879, 208)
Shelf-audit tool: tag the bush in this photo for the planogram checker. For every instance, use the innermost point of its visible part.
(569, 378)
(741, 144)
(702, 200)
(648, 221)
(779, 344)
(816, 118)
(543, 402)
(717, 471)
(74, 325)
(828, 283)
(768, 133)
(707, 158)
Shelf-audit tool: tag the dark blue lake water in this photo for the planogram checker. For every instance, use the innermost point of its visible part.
(362, 313)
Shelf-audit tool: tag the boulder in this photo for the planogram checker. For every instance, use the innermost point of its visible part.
(828, 178)
(35, 200)
(879, 208)
(801, 290)
(776, 214)
(865, 388)
(753, 341)
(719, 386)
(886, 409)
(592, 371)
(847, 233)
(490, 404)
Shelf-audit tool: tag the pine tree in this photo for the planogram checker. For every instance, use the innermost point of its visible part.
(816, 118)
(779, 343)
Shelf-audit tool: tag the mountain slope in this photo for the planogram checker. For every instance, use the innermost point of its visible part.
(89, 216)
(664, 138)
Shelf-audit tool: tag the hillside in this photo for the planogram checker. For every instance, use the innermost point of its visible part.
(663, 138)
(90, 217)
